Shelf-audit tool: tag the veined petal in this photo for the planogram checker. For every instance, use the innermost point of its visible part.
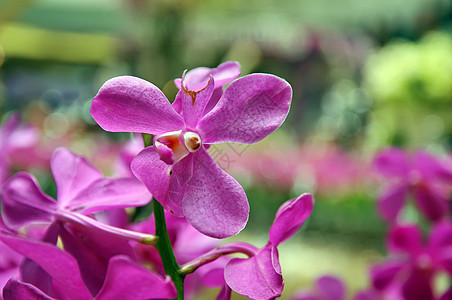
(111, 193)
(290, 218)
(130, 281)
(15, 290)
(197, 78)
(194, 102)
(165, 182)
(72, 174)
(254, 277)
(214, 202)
(391, 201)
(392, 162)
(131, 104)
(23, 202)
(250, 109)
(61, 266)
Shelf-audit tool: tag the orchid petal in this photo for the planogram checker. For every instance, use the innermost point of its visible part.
(406, 238)
(250, 109)
(391, 201)
(153, 172)
(331, 288)
(61, 266)
(392, 162)
(197, 78)
(194, 103)
(214, 202)
(432, 201)
(23, 202)
(17, 290)
(290, 218)
(72, 174)
(429, 166)
(109, 193)
(166, 183)
(130, 281)
(93, 250)
(418, 286)
(254, 277)
(383, 275)
(31, 272)
(131, 104)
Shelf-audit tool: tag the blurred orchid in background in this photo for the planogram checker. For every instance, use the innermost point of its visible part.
(422, 176)
(411, 269)
(17, 143)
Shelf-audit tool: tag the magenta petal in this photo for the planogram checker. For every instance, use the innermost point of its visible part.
(197, 78)
(391, 201)
(250, 109)
(153, 172)
(254, 277)
(165, 182)
(128, 281)
(441, 235)
(23, 202)
(432, 201)
(383, 275)
(214, 202)
(194, 102)
(17, 290)
(72, 174)
(290, 217)
(61, 266)
(131, 104)
(93, 250)
(392, 162)
(418, 285)
(407, 238)
(225, 293)
(109, 193)
(331, 288)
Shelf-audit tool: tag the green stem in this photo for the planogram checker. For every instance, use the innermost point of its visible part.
(166, 251)
(163, 244)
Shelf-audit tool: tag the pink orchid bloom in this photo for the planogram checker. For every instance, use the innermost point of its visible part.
(421, 175)
(15, 141)
(177, 169)
(62, 279)
(413, 264)
(325, 288)
(81, 191)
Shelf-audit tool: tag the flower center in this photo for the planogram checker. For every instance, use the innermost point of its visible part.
(173, 146)
(192, 141)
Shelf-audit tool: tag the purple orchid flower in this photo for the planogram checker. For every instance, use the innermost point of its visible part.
(81, 191)
(177, 169)
(124, 279)
(259, 276)
(411, 271)
(421, 175)
(14, 139)
(325, 288)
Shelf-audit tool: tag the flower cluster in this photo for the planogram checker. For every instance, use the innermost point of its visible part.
(82, 244)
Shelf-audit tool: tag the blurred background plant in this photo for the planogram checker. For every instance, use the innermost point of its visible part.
(366, 75)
